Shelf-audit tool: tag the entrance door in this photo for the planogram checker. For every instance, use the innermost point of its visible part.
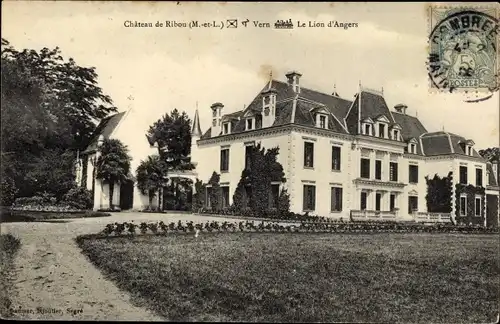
(492, 211)
(412, 204)
(126, 195)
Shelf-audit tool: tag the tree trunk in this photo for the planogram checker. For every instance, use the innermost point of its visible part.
(150, 201)
(111, 189)
(160, 193)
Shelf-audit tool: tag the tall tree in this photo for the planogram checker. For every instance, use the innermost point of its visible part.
(71, 95)
(47, 104)
(491, 154)
(172, 132)
(150, 177)
(113, 164)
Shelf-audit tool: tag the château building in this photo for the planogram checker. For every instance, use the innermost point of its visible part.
(349, 159)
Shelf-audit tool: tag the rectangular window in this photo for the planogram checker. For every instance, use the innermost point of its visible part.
(308, 154)
(478, 206)
(392, 202)
(393, 171)
(463, 206)
(336, 199)
(226, 128)
(378, 199)
(225, 197)
(248, 157)
(381, 130)
(336, 158)
(413, 174)
(275, 193)
(322, 121)
(396, 135)
(363, 200)
(463, 174)
(309, 197)
(249, 124)
(378, 170)
(224, 160)
(479, 177)
(412, 204)
(365, 168)
(367, 129)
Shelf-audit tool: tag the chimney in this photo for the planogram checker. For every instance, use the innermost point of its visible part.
(216, 118)
(293, 78)
(401, 108)
(268, 107)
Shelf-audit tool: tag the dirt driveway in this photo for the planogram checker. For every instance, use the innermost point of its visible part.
(56, 282)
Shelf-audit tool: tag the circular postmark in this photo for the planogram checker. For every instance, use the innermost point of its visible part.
(463, 52)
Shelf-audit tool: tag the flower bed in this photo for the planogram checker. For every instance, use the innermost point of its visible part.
(180, 227)
(270, 214)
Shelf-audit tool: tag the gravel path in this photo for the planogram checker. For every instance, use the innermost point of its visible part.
(56, 282)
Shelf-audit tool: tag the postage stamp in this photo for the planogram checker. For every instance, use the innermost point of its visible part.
(463, 48)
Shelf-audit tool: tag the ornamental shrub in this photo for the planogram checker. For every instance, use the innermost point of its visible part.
(78, 198)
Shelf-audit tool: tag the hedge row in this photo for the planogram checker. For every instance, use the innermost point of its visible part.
(76, 199)
(117, 229)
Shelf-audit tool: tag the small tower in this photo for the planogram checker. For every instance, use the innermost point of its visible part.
(216, 118)
(268, 107)
(195, 136)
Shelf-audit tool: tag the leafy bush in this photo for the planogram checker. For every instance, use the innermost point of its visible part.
(8, 191)
(78, 198)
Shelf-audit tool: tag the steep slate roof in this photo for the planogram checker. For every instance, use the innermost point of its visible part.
(411, 128)
(441, 143)
(306, 100)
(296, 108)
(105, 128)
(373, 105)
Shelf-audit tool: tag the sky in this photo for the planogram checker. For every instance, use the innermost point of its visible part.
(151, 71)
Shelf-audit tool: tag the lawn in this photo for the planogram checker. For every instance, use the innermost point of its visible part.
(9, 245)
(306, 277)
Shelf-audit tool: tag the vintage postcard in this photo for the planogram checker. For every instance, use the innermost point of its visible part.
(250, 162)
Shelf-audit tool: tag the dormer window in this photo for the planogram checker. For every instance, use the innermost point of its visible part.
(367, 126)
(467, 146)
(395, 132)
(226, 128)
(412, 146)
(381, 130)
(249, 124)
(322, 121)
(382, 126)
(368, 129)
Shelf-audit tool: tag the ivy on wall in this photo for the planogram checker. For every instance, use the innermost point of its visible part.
(439, 193)
(199, 196)
(215, 192)
(471, 192)
(254, 188)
